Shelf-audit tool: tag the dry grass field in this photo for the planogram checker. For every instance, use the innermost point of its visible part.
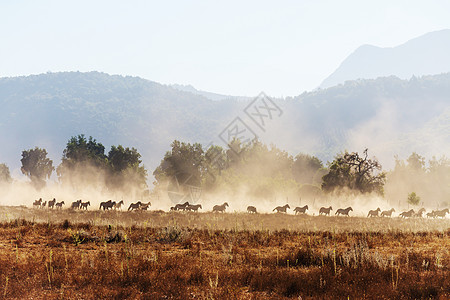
(158, 255)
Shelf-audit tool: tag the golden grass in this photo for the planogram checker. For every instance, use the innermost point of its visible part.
(148, 255)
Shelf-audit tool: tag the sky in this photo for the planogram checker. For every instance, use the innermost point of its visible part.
(230, 47)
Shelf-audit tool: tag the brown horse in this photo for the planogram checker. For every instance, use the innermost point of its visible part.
(441, 213)
(181, 206)
(52, 203)
(282, 209)
(325, 210)
(387, 213)
(220, 208)
(344, 212)
(119, 205)
(407, 214)
(373, 213)
(37, 203)
(76, 204)
(195, 207)
(301, 210)
(419, 214)
(84, 205)
(107, 205)
(135, 206)
(251, 210)
(145, 206)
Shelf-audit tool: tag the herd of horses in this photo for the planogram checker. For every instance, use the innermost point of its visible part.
(79, 204)
(326, 211)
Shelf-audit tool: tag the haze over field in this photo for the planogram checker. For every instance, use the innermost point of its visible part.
(393, 100)
(225, 150)
(388, 115)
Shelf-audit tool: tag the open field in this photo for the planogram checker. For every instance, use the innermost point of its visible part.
(221, 221)
(154, 255)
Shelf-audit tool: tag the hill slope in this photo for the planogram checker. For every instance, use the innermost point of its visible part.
(388, 115)
(46, 110)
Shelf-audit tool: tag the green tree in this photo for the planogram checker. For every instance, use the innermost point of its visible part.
(413, 175)
(125, 168)
(305, 167)
(81, 150)
(183, 168)
(355, 172)
(257, 159)
(37, 166)
(5, 176)
(235, 152)
(79, 155)
(214, 163)
(184, 158)
(413, 199)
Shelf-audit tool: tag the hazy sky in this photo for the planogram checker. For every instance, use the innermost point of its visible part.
(230, 47)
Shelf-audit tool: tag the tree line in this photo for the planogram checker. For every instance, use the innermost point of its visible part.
(267, 170)
(84, 163)
(260, 170)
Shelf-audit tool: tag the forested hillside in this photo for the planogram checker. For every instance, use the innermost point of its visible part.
(46, 110)
(388, 115)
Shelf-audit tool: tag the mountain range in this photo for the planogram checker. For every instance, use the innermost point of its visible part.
(424, 55)
(388, 115)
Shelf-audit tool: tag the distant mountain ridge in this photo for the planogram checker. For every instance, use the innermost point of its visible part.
(211, 96)
(424, 55)
(388, 115)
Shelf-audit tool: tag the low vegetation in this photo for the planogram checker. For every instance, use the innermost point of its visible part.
(114, 255)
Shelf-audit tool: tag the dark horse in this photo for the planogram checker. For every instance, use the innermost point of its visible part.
(220, 208)
(301, 210)
(325, 210)
(281, 208)
(343, 212)
(251, 210)
(107, 205)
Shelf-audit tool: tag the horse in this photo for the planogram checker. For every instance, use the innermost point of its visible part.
(84, 205)
(76, 204)
(343, 212)
(59, 205)
(431, 214)
(220, 208)
(145, 206)
(135, 206)
(387, 213)
(43, 204)
(119, 205)
(419, 214)
(107, 205)
(52, 203)
(251, 209)
(373, 213)
(181, 206)
(37, 203)
(441, 213)
(195, 207)
(325, 211)
(282, 209)
(407, 214)
(301, 210)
